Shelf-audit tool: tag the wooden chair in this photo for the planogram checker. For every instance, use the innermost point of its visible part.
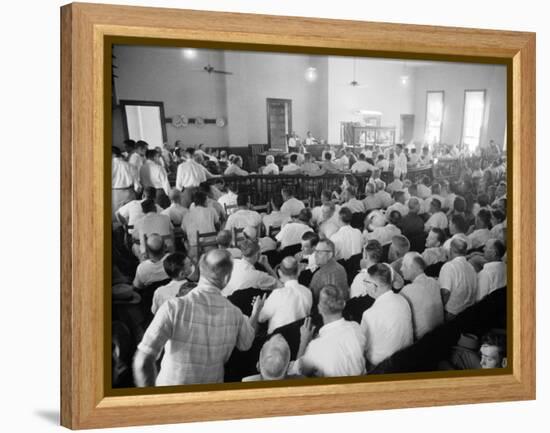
(209, 241)
(273, 230)
(229, 208)
(238, 236)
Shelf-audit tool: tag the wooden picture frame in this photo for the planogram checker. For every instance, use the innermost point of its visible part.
(85, 219)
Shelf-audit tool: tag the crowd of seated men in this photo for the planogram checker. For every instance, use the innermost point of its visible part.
(208, 289)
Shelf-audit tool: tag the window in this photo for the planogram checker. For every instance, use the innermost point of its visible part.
(474, 109)
(434, 117)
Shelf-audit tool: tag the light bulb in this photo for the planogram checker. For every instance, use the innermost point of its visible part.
(311, 74)
(190, 53)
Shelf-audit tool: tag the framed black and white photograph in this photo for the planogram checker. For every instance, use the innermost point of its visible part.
(295, 217)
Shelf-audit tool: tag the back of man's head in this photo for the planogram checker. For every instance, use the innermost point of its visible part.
(459, 247)
(401, 244)
(332, 300)
(459, 222)
(150, 154)
(414, 205)
(223, 239)
(216, 266)
(175, 195)
(199, 198)
(242, 200)
(394, 217)
(148, 205)
(274, 358)
(249, 248)
(305, 215)
(345, 215)
(293, 158)
(374, 251)
(155, 244)
(174, 264)
(150, 193)
(382, 274)
(289, 267)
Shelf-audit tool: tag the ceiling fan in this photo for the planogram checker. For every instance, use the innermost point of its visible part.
(211, 70)
(354, 82)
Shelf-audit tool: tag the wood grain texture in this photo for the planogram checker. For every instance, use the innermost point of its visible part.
(84, 403)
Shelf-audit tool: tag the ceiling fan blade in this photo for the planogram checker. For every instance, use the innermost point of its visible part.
(222, 72)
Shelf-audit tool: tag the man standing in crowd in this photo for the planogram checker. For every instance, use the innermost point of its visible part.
(198, 332)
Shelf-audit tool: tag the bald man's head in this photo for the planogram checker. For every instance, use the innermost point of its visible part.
(459, 247)
(289, 268)
(250, 232)
(216, 267)
(224, 239)
(155, 244)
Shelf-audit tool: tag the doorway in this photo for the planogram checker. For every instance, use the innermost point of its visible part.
(279, 122)
(407, 128)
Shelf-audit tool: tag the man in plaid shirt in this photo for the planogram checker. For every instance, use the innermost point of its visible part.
(197, 331)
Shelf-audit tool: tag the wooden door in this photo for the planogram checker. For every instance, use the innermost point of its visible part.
(407, 128)
(279, 122)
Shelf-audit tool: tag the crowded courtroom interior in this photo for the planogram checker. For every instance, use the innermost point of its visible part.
(286, 216)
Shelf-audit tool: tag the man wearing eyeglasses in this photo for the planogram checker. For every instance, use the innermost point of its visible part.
(329, 270)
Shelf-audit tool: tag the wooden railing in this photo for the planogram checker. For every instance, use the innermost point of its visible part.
(261, 187)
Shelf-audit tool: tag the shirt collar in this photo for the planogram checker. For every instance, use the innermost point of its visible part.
(330, 326)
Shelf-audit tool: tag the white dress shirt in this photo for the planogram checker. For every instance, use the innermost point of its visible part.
(359, 285)
(479, 237)
(246, 276)
(190, 174)
(163, 293)
(290, 167)
(291, 233)
(292, 206)
(460, 278)
(275, 219)
(271, 168)
(383, 235)
(317, 214)
(176, 212)
(362, 167)
(132, 212)
(286, 305)
(328, 228)
(136, 161)
(347, 242)
(355, 205)
(337, 351)
(399, 207)
(199, 219)
(423, 191)
(243, 218)
(400, 165)
(384, 198)
(434, 255)
(154, 175)
(437, 220)
(388, 326)
(491, 278)
(424, 297)
(123, 175)
(149, 272)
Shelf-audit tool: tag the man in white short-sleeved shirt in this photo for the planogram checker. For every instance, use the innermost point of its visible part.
(245, 275)
(438, 219)
(292, 232)
(289, 303)
(291, 206)
(423, 295)
(348, 241)
(339, 347)
(243, 217)
(493, 274)
(151, 270)
(458, 281)
(387, 324)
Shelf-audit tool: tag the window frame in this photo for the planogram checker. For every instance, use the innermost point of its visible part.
(442, 113)
(462, 129)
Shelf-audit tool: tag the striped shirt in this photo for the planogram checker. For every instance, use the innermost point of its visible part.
(198, 333)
